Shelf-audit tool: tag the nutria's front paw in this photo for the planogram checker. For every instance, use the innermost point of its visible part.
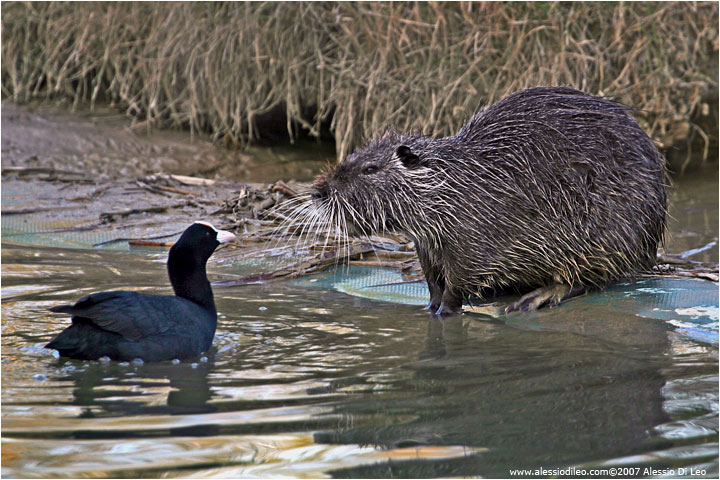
(451, 303)
(525, 304)
(432, 306)
(447, 310)
(435, 302)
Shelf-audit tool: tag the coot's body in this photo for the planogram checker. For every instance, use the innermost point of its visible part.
(125, 325)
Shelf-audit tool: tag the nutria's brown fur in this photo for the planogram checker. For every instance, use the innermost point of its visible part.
(549, 188)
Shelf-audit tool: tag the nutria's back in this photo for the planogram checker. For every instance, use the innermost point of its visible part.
(549, 185)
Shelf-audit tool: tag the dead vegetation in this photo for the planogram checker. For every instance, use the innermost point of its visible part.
(358, 68)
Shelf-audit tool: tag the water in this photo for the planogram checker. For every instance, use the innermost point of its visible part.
(310, 382)
(693, 214)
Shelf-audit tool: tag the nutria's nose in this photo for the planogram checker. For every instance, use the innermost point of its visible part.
(320, 189)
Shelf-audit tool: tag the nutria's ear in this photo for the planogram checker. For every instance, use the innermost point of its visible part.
(407, 157)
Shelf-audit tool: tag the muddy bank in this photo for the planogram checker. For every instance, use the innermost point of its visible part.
(92, 180)
(103, 145)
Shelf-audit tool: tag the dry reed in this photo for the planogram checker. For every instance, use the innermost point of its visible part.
(361, 67)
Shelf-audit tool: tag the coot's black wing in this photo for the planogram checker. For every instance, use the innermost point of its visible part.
(126, 325)
(129, 314)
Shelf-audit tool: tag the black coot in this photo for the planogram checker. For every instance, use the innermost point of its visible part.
(127, 325)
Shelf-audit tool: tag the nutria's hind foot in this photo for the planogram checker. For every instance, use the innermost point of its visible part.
(550, 295)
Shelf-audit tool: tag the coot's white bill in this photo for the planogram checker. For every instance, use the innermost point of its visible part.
(222, 235)
(225, 236)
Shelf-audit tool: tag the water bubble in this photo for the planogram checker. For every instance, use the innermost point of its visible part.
(104, 359)
(203, 359)
(175, 361)
(137, 361)
(194, 365)
(262, 309)
(124, 364)
(40, 377)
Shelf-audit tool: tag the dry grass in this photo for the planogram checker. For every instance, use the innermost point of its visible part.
(219, 67)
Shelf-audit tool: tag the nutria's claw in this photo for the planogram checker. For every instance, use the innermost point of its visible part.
(522, 305)
(551, 295)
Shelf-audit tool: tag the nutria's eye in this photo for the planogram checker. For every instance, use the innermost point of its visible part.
(370, 169)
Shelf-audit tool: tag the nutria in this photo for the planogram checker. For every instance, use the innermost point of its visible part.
(549, 189)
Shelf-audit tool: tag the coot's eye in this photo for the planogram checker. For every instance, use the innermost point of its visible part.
(370, 169)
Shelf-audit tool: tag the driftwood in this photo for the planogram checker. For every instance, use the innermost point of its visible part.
(150, 243)
(680, 265)
(24, 211)
(283, 188)
(51, 174)
(177, 190)
(111, 216)
(36, 170)
(150, 188)
(185, 180)
(146, 239)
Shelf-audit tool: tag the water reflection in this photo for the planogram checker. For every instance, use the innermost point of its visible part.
(153, 389)
(532, 398)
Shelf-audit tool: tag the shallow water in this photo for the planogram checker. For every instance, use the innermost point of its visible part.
(693, 214)
(310, 382)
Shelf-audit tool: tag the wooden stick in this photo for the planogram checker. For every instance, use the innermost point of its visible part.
(192, 180)
(177, 190)
(125, 239)
(22, 211)
(150, 243)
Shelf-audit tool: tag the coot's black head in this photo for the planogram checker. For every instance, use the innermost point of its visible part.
(187, 259)
(198, 243)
